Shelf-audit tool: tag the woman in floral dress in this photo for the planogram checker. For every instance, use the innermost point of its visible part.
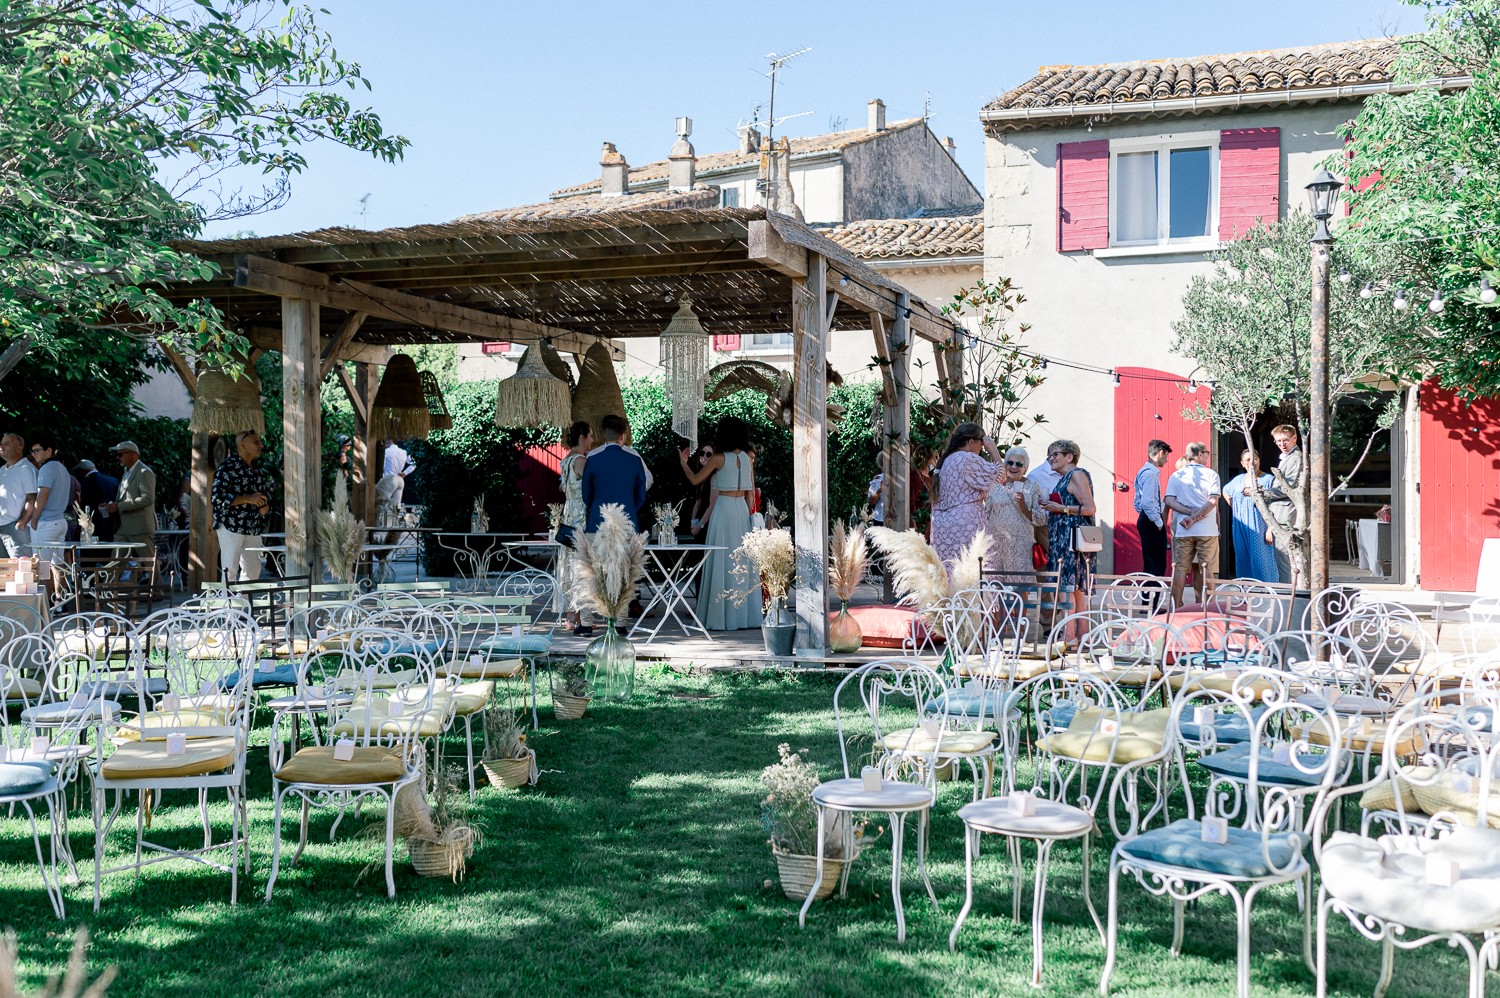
(960, 489)
(1014, 509)
(1071, 505)
(575, 514)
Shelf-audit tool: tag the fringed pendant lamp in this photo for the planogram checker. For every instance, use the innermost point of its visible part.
(227, 405)
(400, 409)
(532, 396)
(559, 367)
(684, 357)
(598, 393)
(437, 409)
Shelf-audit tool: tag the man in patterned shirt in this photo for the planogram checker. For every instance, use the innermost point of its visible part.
(241, 499)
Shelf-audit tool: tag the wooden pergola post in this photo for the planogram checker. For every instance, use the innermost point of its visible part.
(203, 542)
(898, 420)
(810, 312)
(302, 423)
(363, 473)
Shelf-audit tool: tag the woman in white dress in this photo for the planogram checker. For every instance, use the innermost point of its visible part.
(727, 602)
(575, 514)
(1014, 508)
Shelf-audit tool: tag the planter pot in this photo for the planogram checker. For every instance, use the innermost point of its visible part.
(510, 773)
(442, 859)
(566, 707)
(779, 631)
(844, 635)
(609, 664)
(799, 872)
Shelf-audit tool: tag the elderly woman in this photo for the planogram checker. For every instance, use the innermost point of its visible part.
(1071, 505)
(1014, 508)
(961, 487)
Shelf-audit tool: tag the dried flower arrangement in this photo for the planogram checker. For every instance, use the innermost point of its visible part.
(918, 575)
(341, 536)
(439, 835)
(610, 563)
(666, 515)
(73, 982)
(504, 734)
(569, 679)
(479, 520)
(848, 557)
(85, 517)
(770, 555)
(788, 813)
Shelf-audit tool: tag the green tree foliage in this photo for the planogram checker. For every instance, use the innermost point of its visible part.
(1426, 166)
(118, 120)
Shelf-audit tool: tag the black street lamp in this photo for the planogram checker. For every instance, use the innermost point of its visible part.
(1323, 196)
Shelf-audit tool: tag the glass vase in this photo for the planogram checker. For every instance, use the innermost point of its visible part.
(609, 664)
(844, 634)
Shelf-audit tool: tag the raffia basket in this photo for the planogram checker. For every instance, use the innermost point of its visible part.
(510, 773)
(441, 859)
(569, 708)
(798, 873)
(598, 394)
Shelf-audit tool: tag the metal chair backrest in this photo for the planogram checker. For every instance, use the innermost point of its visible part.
(370, 670)
(1135, 595)
(894, 696)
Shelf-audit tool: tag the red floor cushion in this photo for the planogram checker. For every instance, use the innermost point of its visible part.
(887, 626)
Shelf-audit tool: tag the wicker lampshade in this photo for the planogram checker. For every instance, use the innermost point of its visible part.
(437, 409)
(559, 367)
(400, 409)
(684, 358)
(225, 405)
(532, 396)
(598, 393)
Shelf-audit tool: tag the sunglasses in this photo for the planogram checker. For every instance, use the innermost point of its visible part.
(1015, 464)
(37, 450)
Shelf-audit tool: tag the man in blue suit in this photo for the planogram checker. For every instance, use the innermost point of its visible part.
(613, 474)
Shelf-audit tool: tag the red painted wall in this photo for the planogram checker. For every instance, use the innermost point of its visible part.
(539, 485)
(1149, 404)
(1082, 195)
(1460, 486)
(1249, 179)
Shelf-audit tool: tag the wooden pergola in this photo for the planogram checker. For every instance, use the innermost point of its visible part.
(575, 271)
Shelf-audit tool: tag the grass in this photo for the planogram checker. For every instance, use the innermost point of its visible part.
(638, 866)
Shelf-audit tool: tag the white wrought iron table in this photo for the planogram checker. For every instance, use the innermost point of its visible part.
(672, 573)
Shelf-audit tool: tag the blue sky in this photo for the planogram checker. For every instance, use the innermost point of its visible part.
(504, 101)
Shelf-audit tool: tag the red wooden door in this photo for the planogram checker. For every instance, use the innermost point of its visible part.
(1149, 405)
(1459, 485)
(539, 485)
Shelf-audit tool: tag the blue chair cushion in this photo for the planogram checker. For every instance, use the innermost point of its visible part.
(156, 686)
(19, 778)
(1057, 717)
(1234, 762)
(284, 675)
(1479, 719)
(409, 646)
(961, 703)
(1181, 844)
(1229, 729)
(504, 645)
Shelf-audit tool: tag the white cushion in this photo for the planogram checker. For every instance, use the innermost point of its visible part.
(1387, 878)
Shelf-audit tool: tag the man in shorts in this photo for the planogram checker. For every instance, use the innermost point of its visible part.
(1193, 494)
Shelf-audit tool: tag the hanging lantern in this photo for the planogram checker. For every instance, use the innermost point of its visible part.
(559, 367)
(437, 409)
(598, 393)
(400, 408)
(532, 396)
(684, 357)
(227, 405)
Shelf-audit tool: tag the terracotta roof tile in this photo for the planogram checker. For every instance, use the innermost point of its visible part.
(829, 142)
(1288, 69)
(887, 238)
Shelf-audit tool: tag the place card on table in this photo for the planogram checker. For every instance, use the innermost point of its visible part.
(343, 750)
(1215, 830)
(266, 665)
(1281, 753)
(1441, 872)
(870, 779)
(1203, 715)
(1022, 804)
(40, 744)
(176, 743)
(1109, 727)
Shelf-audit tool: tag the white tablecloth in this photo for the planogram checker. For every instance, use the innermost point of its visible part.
(1374, 540)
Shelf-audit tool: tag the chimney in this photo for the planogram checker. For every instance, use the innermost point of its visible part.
(876, 110)
(616, 172)
(950, 145)
(749, 140)
(682, 164)
(782, 196)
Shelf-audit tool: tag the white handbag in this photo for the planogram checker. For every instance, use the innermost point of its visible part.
(1088, 539)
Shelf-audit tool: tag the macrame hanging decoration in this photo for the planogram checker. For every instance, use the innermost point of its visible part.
(532, 396)
(684, 357)
(400, 409)
(226, 405)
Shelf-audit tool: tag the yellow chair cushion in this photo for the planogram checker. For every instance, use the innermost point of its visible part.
(154, 720)
(1121, 675)
(470, 698)
(1026, 668)
(508, 668)
(1219, 681)
(149, 759)
(22, 688)
(375, 718)
(952, 742)
(317, 765)
(1359, 738)
(349, 679)
(83, 643)
(1141, 736)
(1424, 791)
(1382, 796)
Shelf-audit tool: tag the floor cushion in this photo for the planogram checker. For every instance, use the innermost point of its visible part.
(316, 765)
(1387, 878)
(150, 759)
(889, 626)
(1244, 855)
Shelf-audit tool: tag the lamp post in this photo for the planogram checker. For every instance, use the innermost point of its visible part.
(1323, 195)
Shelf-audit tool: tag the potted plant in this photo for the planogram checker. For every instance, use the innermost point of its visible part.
(439, 837)
(508, 760)
(571, 692)
(607, 575)
(791, 818)
(769, 554)
(847, 560)
(340, 535)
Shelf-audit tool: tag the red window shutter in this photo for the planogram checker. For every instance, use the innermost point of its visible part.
(727, 342)
(1249, 179)
(1082, 195)
(1363, 183)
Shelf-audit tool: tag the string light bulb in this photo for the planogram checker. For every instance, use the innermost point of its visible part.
(1117, 378)
(1436, 305)
(1044, 363)
(843, 280)
(1192, 384)
(1345, 277)
(1368, 291)
(1486, 293)
(1400, 303)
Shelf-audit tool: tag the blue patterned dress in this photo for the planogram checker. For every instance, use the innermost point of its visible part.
(1253, 557)
(1073, 569)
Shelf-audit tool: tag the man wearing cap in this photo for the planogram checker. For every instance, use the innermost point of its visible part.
(241, 499)
(135, 500)
(17, 497)
(96, 490)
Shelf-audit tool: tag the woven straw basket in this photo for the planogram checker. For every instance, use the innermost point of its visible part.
(799, 872)
(569, 708)
(508, 772)
(441, 859)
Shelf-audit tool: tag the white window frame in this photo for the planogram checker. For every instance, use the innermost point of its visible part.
(769, 349)
(1163, 145)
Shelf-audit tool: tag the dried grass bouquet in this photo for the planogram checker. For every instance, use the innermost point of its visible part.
(770, 555)
(341, 536)
(847, 560)
(788, 813)
(607, 571)
(919, 577)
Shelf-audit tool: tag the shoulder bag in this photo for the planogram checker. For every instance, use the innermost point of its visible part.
(1087, 538)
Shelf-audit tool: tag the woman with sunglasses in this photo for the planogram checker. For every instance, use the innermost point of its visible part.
(1071, 505)
(960, 488)
(1015, 509)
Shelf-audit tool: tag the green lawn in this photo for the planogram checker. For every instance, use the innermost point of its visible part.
(638, 866)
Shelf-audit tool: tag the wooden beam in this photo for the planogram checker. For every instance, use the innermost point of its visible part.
(363, 472)
(574, 343)
(810, 455)
(266, 338)
(203, 543)
(302, 432)
(830, 306)
(333, 348)
(898, 423)
(767, 247)
(185, 372)
(356, 398)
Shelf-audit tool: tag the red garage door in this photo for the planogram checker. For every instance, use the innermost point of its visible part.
(1459, 484)
(1149, 404)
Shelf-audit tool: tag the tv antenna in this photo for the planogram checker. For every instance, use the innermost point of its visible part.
(778, 60)
(364, 209)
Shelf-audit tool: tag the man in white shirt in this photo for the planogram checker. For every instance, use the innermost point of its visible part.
(17, 497)
(398, 464)
(1193, 494)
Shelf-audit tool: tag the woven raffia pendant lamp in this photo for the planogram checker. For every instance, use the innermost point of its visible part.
(400, 409)
(598, 393)
(438, 417)
(227, 405)
(559, 367)
(684, 357)
(532, 396)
